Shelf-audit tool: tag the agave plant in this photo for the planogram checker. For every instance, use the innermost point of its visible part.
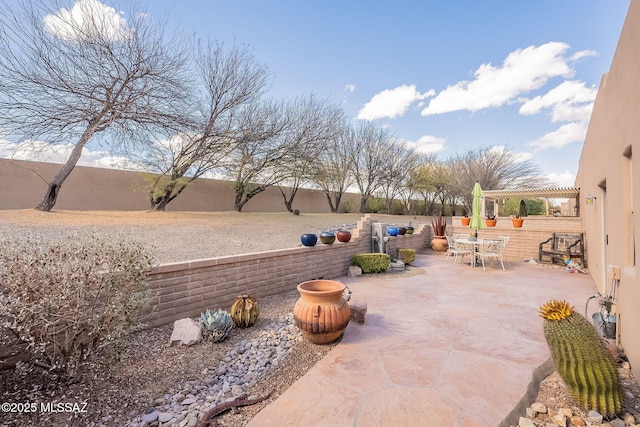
(216, 324)
(245, 311)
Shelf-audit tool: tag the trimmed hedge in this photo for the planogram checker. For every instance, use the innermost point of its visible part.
(406, 255)
(372, 263)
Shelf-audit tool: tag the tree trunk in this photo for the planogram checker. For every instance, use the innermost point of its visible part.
(51, 196)
(363, 203)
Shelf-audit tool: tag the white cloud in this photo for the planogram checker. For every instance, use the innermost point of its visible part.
(564, 135)
(350, 88)
(38, 151)
(391, 102)
(523, 71)
(85, 20)
(569, 101)
(566, 179)
(427, 144)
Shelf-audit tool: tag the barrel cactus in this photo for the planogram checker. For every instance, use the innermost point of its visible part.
(216, 324)
(581, 358)
(245, 311)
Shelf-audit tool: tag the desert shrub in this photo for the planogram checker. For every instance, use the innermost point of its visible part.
(406, 255)
(372, 263)
(72, 296)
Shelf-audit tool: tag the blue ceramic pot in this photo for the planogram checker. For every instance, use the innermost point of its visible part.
(327, 237)
(309, 239)
(393, 231)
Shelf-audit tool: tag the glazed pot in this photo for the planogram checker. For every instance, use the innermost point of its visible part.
(344, 236)
(309, 239)
(410, 230)
(321, 313)
(393, 231)
(402, 231)
(439, 244)
(327, 237)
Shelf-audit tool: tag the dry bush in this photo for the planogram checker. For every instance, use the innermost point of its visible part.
(69, 297)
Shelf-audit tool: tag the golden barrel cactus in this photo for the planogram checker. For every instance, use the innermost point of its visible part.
(245, 311)
(581, 358)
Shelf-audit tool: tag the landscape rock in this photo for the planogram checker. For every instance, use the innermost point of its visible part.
(358, 310)
(186, 332)
(354, 271)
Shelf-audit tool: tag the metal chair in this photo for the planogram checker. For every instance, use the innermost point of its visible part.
(491, 249)
(455, 250)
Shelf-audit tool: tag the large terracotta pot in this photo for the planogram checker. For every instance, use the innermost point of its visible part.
(439, 244)
(321, 313)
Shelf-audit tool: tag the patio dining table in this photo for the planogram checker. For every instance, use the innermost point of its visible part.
(475, 244)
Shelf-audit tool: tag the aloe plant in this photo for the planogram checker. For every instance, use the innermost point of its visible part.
(581, 358)
(216, 324)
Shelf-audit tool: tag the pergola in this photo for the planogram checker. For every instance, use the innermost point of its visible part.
(495, 196)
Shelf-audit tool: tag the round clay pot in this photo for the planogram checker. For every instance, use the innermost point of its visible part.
(410, 230)
(393, 231)
(344, 236)
(439, 244)
(321, 313)
(309, 239)
(327, 237)
(402, 231)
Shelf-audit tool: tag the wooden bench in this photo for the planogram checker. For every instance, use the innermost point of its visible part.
(561, 244)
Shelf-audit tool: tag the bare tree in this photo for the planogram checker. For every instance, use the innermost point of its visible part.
(495, 168)
(256, 163)
(314, 124)
(394, 181)
(369, 159)
(227, 82)
(429, 179)
(332, 172)
(64, 78)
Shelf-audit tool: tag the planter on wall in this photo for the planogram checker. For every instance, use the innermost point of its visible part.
(491, 222)
(410, 230)
(344, 236)
(327, 237)
(402, 231)
(309, 239)
(517, 222)
(321, 313)
(465, 221)
(393, 231)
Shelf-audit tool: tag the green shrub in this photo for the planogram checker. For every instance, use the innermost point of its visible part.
(372, 263)
(406, 255)
(70, 297)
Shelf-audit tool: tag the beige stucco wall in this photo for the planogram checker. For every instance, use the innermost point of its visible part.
(23, 184)
(607, 171)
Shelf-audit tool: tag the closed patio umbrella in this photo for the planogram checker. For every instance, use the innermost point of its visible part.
(476, 208)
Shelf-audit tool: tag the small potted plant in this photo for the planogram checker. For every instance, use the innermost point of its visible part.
(491, 221)
(517, 221)
(465, 220)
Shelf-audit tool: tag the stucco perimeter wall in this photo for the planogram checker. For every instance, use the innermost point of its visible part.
(609, 175)
(524, 242)
(187, 289)
(23, 184)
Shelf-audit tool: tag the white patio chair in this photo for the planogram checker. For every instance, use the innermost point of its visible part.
(491, 249)
(505, 241)
(455, 250)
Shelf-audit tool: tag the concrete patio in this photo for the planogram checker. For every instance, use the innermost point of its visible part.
(442, 346)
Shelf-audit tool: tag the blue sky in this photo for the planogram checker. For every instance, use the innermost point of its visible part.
(444, 76)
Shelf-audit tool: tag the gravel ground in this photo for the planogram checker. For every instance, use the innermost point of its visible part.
(118, 391)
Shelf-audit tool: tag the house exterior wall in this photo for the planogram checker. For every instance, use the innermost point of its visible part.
(609, 182)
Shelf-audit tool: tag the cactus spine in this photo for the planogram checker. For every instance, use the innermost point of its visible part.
(245, 311)
(581, 359)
